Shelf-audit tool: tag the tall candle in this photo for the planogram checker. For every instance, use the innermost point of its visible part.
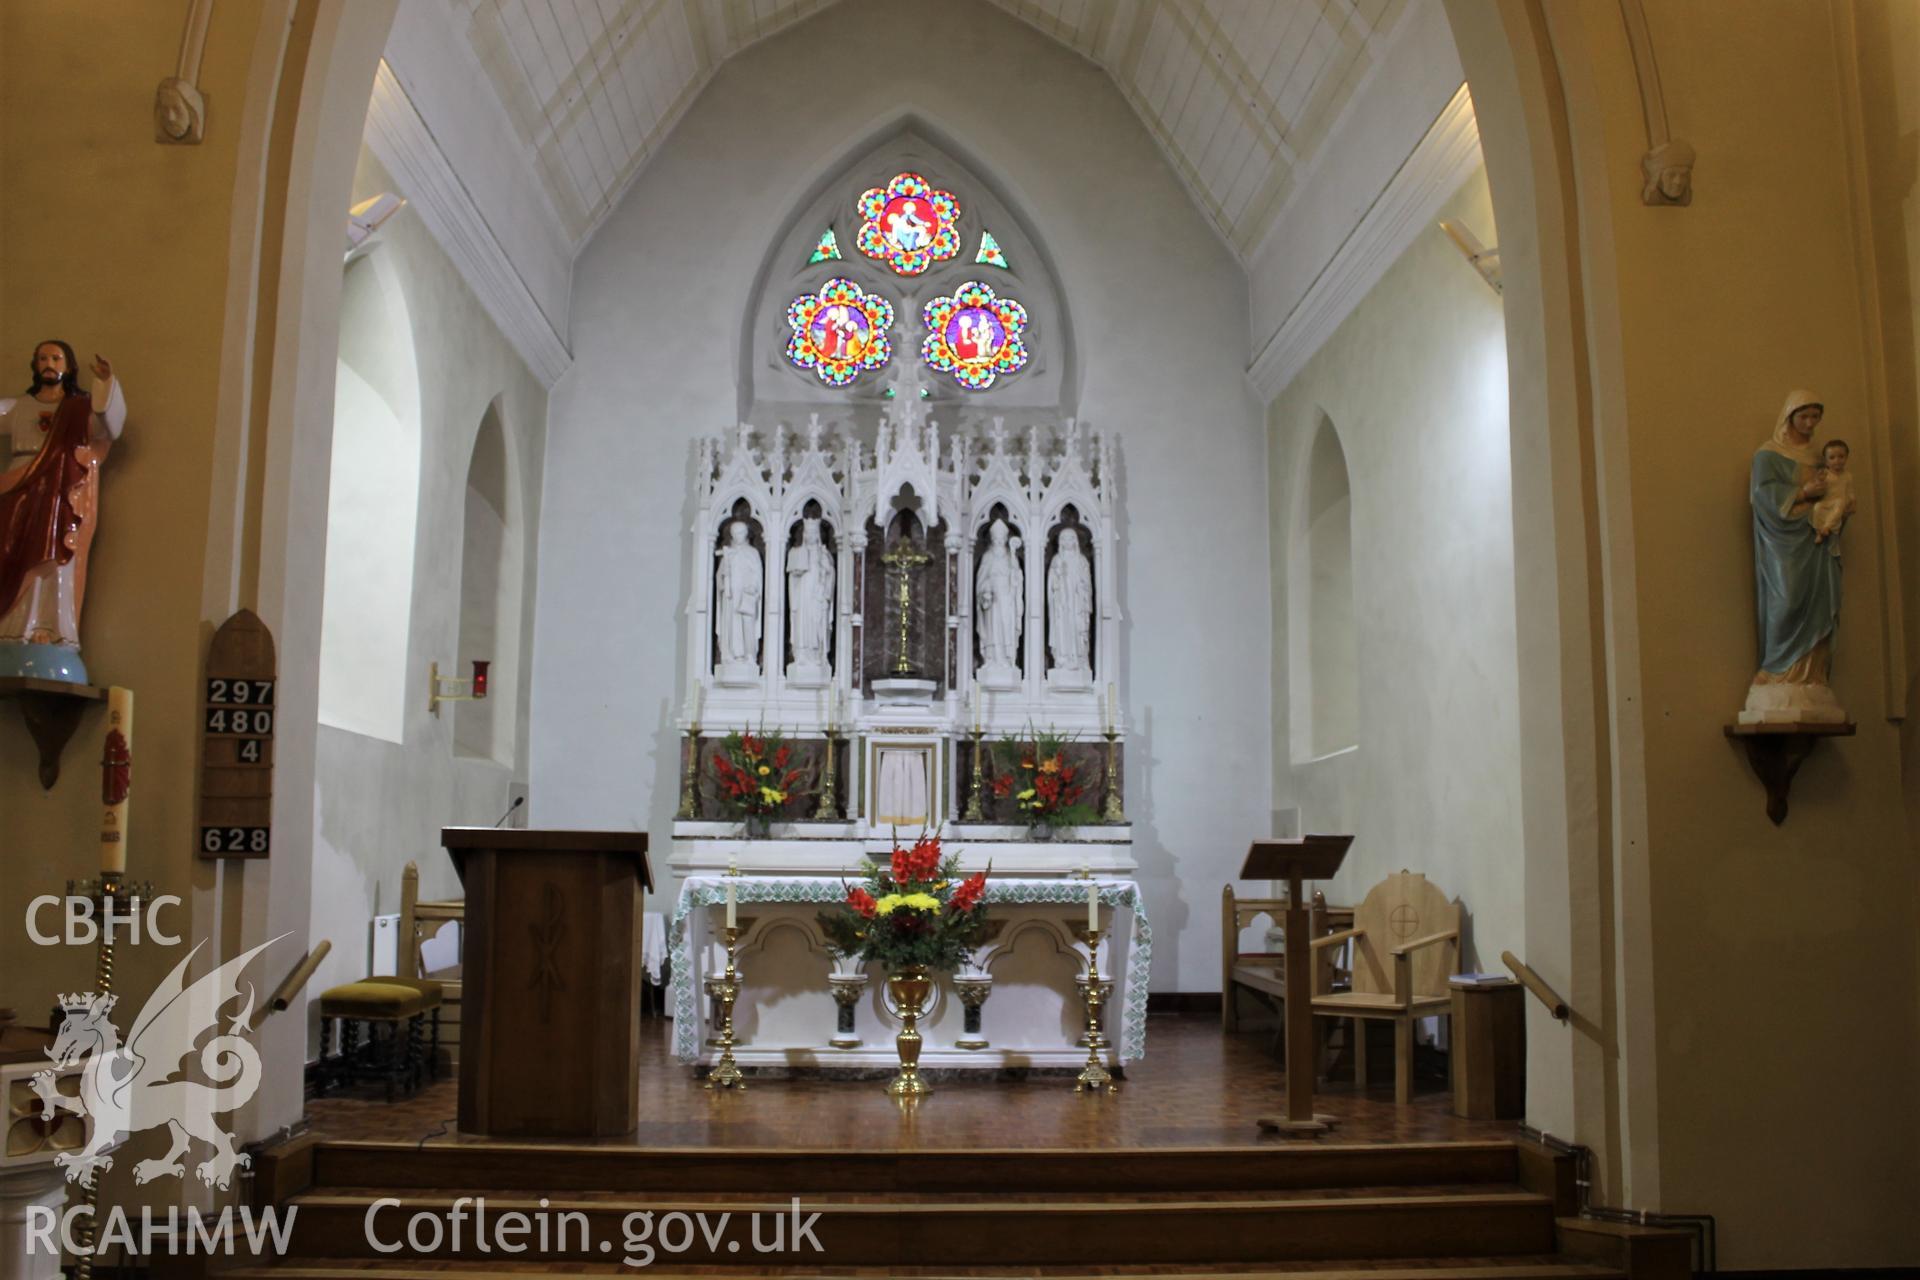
(116, 779)
(1093, 906)
(1113, 706)
(976, 708)
(694, 714)
(733, 906)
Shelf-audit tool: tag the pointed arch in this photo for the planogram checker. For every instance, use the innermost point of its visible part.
(1322, 640)
(492, 569)
(373, 502)
(908, 141)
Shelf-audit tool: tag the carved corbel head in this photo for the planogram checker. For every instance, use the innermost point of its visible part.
(179, 113)
(1668, 173)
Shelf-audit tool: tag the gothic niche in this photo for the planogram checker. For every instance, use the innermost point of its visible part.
(811, 579)
(739, 596)
(1071, 604)
(999, 601)
(907, 548)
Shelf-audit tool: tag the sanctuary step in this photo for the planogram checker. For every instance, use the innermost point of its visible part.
(1471, 1208)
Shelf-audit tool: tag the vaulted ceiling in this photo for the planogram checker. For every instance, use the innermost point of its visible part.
(1240, 94)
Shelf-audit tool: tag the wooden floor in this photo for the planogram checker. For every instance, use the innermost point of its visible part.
(1195, 1088)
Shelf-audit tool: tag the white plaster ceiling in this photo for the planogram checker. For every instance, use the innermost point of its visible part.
(1240, 94)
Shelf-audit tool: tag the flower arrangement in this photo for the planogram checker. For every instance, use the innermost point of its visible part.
(755, 774)
(914, 909)
(1043, 785)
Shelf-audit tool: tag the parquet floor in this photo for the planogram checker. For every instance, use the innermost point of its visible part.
(1195, 1088)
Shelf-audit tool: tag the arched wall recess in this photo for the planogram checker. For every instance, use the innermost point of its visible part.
(372, 508)
(1322, 640)
(491, 570)
(772, 388)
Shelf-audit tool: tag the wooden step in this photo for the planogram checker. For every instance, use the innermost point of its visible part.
(1436, 1269)
(1058, 1231)
(550, 1169)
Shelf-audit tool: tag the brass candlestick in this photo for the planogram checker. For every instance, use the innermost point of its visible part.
(726, 989)
(1095, 1076)
(109, 891)
(1113, 812)
(829, 807)
(689, 802)
(975, 811)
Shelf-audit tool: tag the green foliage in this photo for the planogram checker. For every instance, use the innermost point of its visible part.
(911, 910)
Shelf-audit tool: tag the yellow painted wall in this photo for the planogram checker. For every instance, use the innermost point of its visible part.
(120, 246)
(1783, 1002)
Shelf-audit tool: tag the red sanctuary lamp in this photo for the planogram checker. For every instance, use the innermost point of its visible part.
(446, 688)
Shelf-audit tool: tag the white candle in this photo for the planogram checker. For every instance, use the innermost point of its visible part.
(1113, 706)
(117, 759)
(694, 714)
(976, 708)
(1093, 906)
(733, 906)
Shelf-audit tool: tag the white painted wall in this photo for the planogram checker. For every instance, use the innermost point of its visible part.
(1379, 128)
(434, 62)
(1160, 312)
(1415, 382)
(379, 803)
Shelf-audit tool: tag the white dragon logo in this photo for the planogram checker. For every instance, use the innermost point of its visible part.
(129, 1089)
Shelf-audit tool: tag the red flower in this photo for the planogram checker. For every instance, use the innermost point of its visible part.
(751, 745)
(862, 901)
(967, 896)
(780, 757)
(1003, 786)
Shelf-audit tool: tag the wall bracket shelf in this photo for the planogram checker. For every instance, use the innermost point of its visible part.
(52, 710)
(1776, 752)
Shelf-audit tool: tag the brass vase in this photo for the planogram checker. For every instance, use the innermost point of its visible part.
(910, 989)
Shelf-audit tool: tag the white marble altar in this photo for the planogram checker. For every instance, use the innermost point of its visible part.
(1026, 979)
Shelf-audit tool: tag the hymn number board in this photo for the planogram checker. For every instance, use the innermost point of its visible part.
(236, 752)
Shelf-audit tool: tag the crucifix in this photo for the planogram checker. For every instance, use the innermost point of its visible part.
(903, 562)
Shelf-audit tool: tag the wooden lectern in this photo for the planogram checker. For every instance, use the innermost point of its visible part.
(1297, 861)
(550, 1007)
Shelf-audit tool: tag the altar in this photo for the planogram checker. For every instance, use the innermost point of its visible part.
(917, 634)
(1019, 1004)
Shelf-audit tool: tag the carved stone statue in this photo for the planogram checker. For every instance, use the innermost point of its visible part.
(737, 586)
(1069, 611)
(810, 579)
(1000, 596)
(1796, 575)
(49, 508)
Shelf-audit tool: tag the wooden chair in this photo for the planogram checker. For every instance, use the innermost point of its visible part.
(1264, 972)
(1406, 941)
(420, 922)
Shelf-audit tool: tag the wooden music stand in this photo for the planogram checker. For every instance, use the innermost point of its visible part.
(1297, 861)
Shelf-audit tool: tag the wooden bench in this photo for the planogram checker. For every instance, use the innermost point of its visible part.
(1263, 972)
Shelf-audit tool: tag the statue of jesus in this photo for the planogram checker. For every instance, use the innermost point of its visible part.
(58, 436)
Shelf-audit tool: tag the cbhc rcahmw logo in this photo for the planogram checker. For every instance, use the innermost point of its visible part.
(79, 928)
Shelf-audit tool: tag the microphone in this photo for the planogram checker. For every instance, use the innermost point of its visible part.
(517, 802)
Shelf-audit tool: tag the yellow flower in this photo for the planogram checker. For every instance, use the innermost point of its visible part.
(770, 796)
(764, 771)
(1027, 794)
(893, 901)
(1050, 765)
